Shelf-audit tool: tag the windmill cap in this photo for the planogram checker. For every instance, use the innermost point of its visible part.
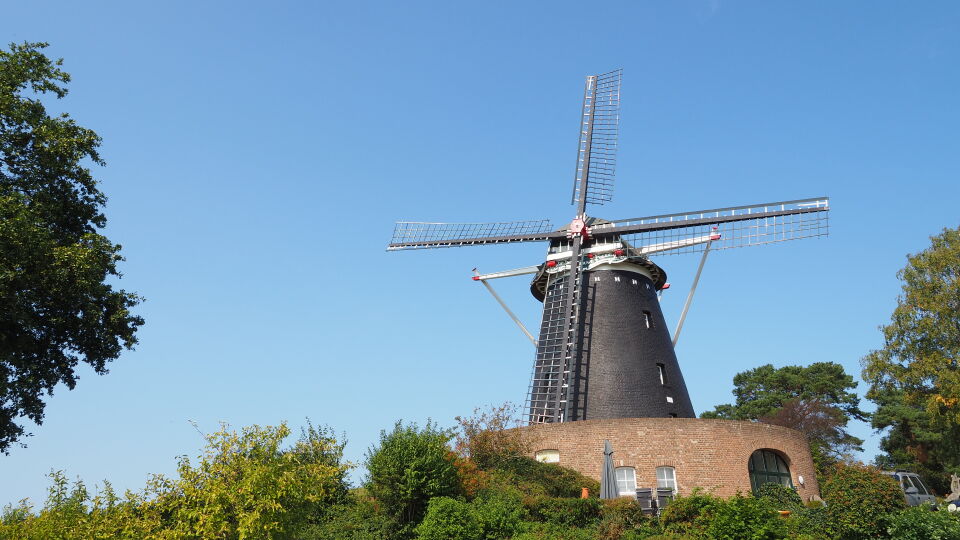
(538, 286)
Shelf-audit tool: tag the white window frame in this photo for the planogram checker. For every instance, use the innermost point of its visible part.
(626, 486)
(667, 480)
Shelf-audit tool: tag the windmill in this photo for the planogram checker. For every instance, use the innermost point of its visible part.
(604, 350)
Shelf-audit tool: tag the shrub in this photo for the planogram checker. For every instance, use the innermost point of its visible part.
(566, 512)
(320, 445)
(624, 516)
(551, 531)
(244, 485)
(680, 515)
(919, 523)
(701, 515)
(472, 479)
(811, 523)
(70, 513)
(780, 496)
(448, 519)
(490, 437)
(742, 518)
(858, 498)
(615, 529)
(625, 509)
(359, 518)
(409, 467)
(535, 479)
(649, 531)
(500, 515)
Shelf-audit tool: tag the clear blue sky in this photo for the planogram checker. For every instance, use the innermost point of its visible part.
(258, 155)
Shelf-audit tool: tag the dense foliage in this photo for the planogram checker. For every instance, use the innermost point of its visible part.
(357, 518)
(535, 479)
(491, 436)
(246, 484)
(624, 518)
(740, 517)
(490, 517)
(409, 467)
(450, 518)
(72, 513)
(859, 499)
(58, 307)
(817, 400)
(915, 378)
(570, 512)
(920, 523)
(780, 496)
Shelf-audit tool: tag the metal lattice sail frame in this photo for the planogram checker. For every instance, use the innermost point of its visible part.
(743, 226)
(599, 131)
(555, 371)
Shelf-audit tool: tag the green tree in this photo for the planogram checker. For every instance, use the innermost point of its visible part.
(915, 378)
(245, 485)
(320, 445)
(57, 307)
(409, 467)
(815, 399)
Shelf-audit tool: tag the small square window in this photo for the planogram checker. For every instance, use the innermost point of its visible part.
(669, 399)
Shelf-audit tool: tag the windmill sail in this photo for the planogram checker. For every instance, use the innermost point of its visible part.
(738, 226)
(425, 235)
(597, 149)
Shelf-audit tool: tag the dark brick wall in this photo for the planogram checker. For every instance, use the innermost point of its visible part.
(619, 377)
(710, 454)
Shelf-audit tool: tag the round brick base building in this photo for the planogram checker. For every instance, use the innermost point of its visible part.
(721, 456)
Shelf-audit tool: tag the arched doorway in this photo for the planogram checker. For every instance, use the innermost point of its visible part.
(768, 467)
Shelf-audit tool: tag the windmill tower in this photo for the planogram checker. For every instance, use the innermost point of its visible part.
(604, 350)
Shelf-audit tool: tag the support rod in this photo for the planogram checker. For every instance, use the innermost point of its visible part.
(505, 273)
(693, 289)
(505, 308)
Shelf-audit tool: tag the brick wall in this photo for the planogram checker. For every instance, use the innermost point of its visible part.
(706, 453)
